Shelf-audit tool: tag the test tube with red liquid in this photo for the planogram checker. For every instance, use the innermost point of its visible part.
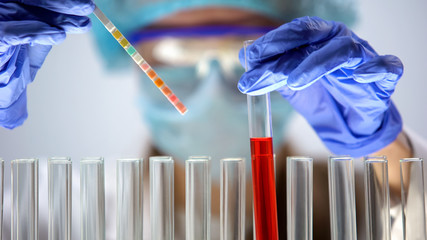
(263, 180)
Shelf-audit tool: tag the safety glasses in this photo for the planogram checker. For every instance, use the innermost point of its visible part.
(190, 46)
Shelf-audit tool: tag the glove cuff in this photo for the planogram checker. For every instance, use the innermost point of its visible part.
(386, 134)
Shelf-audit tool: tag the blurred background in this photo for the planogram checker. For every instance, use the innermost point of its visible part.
(78, 109)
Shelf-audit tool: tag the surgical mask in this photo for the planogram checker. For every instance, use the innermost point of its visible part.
(217, 121)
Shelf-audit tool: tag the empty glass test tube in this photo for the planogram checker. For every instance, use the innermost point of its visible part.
(1, 195)
(92, 199)
(377, 198)
(25, 196)
(232, 198)
(263, 177)
(342, 201)
(162, 198)
(59, 180)
(299, 194)
(197, 198)
(129, 199)
(413, 205)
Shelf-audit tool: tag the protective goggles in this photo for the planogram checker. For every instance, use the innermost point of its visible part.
(189, 46)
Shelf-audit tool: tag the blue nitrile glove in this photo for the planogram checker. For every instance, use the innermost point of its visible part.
(333, 78)
(28, 29)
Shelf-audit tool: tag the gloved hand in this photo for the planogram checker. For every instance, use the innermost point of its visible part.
(28, 29)
(333, 78)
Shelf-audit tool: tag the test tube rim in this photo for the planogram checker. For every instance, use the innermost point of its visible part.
(199, 157)
(237, 159)
(24, 160)
(161, 159)
(375, 159)
(196, 160)
(59, 160)
(91, 160)
(130, 160)
(300, 158)
(340, 158)
(404, 160)
(248, 42)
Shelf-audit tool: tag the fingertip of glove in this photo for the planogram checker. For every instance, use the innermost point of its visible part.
(243, 85)
(88, 8)
(55, 38)
(241, 88)
(10, 121)
(80, 25)
(84, 9)
(300, 83)
(386, 67)
(84, 26)
(252, 56)
(248, 84)
(14, 125)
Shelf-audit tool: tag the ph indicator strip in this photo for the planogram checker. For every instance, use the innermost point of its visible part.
(134, 54)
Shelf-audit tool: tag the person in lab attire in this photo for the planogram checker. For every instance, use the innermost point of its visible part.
(314, 65)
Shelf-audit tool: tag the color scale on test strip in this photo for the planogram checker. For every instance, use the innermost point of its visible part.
(140, 61)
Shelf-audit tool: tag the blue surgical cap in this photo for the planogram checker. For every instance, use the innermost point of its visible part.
(130, 15)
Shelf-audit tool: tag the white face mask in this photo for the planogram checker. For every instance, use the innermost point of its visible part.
(217, 120)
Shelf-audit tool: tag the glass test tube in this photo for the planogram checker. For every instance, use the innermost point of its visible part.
(59, 180)
(197, 198)
(413, 205)
(129, 199)
(342, 200)
(1, 195)
(25, 196)
(299, 194)
(377, 198)
(162, 198)
(263, 179)
(233, 197)
(92, 199)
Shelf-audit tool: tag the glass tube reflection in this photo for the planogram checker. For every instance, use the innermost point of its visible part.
(342, 201)
(162, 198)
(129, 199)
(24, 200)
(299, 197)
(59, 180)
(377, 198)
(197, 198)
(92, 199)
(413, 200)
(232, 198)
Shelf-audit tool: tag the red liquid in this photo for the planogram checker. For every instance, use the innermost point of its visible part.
(264, 188)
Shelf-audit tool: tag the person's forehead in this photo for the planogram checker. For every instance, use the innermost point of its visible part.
(213, 16)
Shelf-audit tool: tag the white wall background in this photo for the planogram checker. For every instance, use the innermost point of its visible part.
(77, 109)
(400, 28)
